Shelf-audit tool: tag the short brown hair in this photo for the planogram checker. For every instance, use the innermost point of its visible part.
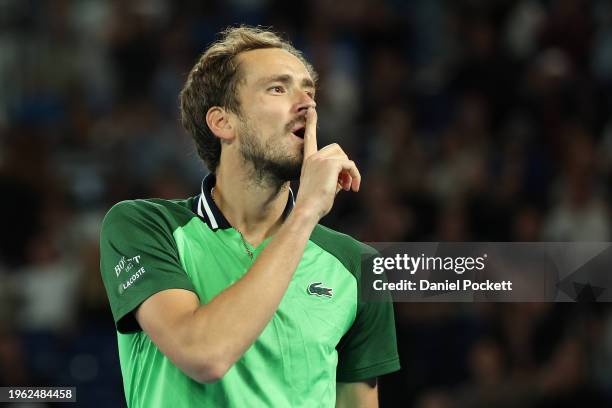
(214, 79)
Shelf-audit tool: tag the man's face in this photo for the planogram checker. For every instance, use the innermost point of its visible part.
(274, 95)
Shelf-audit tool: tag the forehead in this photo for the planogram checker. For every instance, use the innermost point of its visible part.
(258, 64)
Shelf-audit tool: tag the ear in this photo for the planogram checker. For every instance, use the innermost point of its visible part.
(218, 121)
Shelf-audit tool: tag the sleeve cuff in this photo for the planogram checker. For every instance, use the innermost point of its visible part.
(365, 373)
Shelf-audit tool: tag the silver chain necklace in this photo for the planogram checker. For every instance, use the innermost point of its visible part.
(244, 243)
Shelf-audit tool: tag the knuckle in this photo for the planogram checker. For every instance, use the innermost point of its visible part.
(334, 164)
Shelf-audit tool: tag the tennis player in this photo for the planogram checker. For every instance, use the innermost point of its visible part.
(237, 297)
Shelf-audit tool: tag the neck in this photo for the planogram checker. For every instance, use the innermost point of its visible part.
(254, 208)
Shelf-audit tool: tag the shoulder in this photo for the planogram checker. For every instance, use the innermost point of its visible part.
(169, 213)
(349, 251)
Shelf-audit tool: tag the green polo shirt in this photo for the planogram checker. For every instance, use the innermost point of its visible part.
(321, 332)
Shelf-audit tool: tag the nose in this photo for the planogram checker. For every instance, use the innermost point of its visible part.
(305, 102)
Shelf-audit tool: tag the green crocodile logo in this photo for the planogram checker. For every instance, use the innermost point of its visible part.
(315, 289)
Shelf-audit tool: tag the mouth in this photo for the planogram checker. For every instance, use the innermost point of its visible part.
(298, 130)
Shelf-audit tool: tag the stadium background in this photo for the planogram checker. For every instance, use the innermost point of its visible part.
(479, 120)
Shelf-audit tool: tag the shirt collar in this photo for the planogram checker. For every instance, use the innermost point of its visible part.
(206, 208)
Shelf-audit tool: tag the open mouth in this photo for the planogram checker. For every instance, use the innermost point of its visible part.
(299, 129)
(299, 132)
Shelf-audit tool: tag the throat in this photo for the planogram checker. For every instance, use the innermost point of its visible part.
(253, 228)
(254, 237)
(255, 211)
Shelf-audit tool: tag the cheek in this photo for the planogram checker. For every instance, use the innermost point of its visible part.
(272, 109)
(268, 116)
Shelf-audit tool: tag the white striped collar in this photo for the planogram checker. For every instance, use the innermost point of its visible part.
(206, 208)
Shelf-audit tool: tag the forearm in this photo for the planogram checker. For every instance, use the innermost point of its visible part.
(224, 328)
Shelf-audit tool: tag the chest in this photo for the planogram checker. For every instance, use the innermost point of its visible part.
(318, 307)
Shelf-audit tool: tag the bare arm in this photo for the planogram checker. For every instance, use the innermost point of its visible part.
(357, 395)
(204, 341)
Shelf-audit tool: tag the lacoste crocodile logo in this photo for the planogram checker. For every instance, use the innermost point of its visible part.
(315, 289)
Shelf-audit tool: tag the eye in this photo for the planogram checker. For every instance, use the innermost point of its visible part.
(277, 89)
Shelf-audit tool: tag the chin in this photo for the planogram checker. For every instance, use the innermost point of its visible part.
(288, 169)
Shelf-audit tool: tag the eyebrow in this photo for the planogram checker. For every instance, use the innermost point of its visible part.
(287, 79)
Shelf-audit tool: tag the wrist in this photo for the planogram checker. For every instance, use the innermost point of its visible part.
(303, 217)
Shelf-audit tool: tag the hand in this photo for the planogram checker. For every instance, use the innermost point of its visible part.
(324, 172)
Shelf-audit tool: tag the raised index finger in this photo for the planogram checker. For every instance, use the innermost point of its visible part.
(310, 133)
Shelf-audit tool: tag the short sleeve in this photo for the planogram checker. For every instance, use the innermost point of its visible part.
(138, 258)
(369, 348)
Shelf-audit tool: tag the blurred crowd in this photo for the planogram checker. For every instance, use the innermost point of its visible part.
(471, 120)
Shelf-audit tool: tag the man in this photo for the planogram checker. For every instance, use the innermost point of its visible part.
(237, 297)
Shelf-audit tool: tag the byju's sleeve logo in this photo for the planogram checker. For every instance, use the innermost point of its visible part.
(126, 264)
(129, 265)
(318, 290)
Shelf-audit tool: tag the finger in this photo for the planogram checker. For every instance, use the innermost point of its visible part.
(332, 151)
(345, 180)
(332, 148)
(350, 167)
(310, 134)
